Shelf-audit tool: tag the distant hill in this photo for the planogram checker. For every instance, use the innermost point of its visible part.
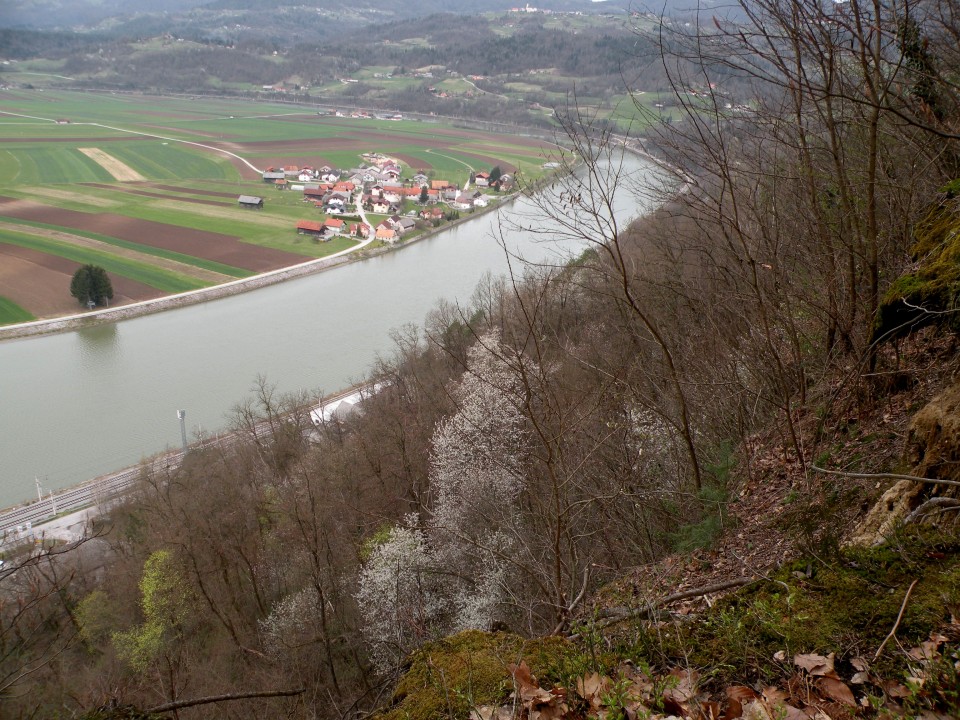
(67, 14)
(119, 16)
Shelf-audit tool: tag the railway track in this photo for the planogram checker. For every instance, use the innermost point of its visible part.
(15, 521)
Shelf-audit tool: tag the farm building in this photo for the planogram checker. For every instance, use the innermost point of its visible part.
(311, 227)
(250, 202)
(271, 176)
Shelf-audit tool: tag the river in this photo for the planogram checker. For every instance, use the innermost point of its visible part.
(80, 404)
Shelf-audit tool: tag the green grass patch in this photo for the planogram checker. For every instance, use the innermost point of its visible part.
(11, 313)
(163, 160)
(50, 163)
(159, 278)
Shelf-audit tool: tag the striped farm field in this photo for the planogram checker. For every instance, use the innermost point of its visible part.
(197, 263)
(10, 312)
(148, 187)
(141, 272)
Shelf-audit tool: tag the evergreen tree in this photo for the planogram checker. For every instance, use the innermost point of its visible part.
(91, 283)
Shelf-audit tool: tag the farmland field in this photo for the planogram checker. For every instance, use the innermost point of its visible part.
(147, 187)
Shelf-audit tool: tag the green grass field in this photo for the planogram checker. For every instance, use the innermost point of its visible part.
(10, 312)
(48, 163)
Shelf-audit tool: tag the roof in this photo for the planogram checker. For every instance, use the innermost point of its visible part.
(311, 225)
(249, 200)
(333, 222)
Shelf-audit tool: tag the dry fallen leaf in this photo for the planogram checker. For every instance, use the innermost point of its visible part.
(684, 688)
(860, 678)
(816, 665)
(737, 697)
(756, 710)
(521, 674)
(837, 691)
(926, 651)
(895, 689)
(860, 664)
(484, 712)
(774, 695)
(592, 688)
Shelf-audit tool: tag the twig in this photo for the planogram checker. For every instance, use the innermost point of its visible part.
(887, 476)
(576, 601)
(645, 612)
(169, 707)
(930, 504)
(893, 630)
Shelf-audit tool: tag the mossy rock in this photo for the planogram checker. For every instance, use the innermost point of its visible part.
(933, 444)
(447, 678)
(928, 295)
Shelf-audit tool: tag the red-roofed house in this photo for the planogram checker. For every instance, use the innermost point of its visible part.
(433, 213)
(335, 225)
(386, 234)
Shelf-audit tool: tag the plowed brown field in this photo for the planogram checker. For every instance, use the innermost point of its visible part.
(208, 245)
(41, 283)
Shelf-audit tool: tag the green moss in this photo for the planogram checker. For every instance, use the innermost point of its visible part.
(951, 189)
(447, 678)
(847, 607)
(930, 293)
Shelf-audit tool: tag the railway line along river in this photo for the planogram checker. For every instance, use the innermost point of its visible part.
(79, 404)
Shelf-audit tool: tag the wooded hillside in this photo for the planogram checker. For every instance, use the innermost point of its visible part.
(712, 397)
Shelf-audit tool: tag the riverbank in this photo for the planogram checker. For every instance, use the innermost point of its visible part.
(170, 302)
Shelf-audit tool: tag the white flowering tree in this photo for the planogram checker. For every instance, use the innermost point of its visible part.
(398, 597)
(454, 574)
(476, 475)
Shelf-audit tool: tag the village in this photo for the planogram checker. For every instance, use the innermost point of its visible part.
(400, 207)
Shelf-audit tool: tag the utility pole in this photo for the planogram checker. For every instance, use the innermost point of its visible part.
(39, 494)
(182, 414)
